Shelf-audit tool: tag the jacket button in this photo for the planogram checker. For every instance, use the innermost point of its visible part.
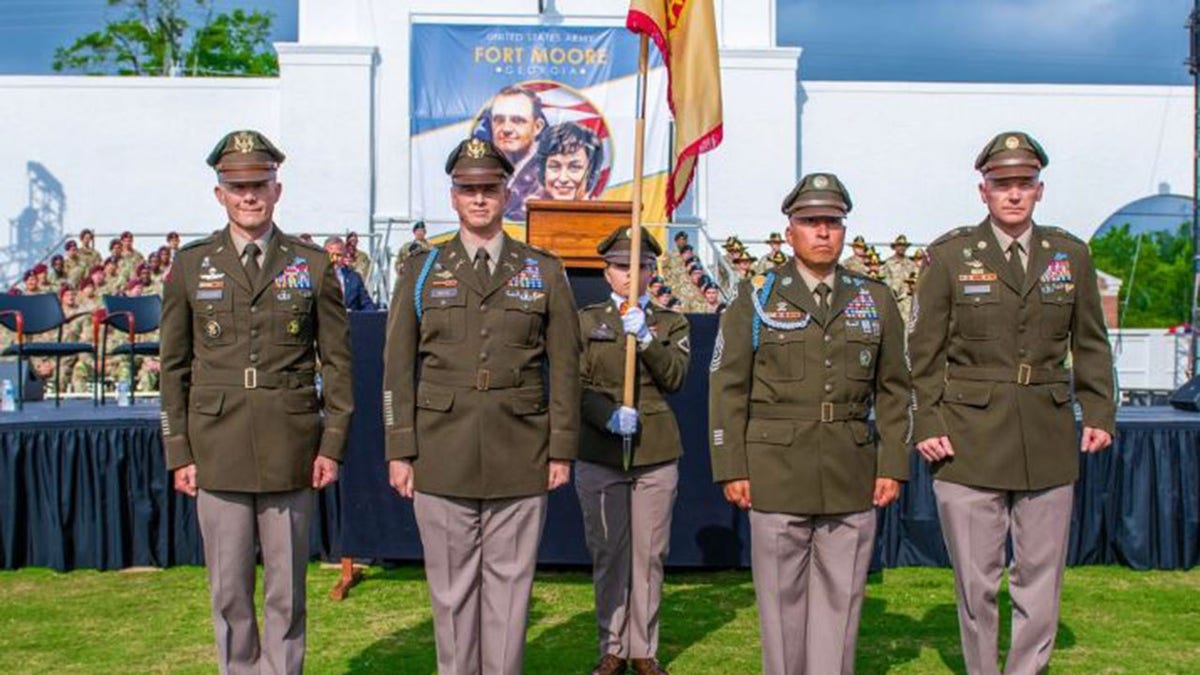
(208, 308)
(959, 397)
(253, 332)
(1021, 351)
(977, 301)
(254, 358)
(483, 306)
(253, 309)
(828, 388)
(483, 356)
(295, 308)
(828, 363)
(483, 333)
(1021, 328)
(828, 337)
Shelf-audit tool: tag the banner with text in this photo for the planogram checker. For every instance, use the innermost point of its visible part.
(558, 101)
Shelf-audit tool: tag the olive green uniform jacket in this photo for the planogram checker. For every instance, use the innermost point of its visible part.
(481, 384)
(238, 365)
(662, 368)
(792, 416)
(989, 358)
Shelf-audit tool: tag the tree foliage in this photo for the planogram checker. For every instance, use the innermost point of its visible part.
(156, 37)
(1156, 288)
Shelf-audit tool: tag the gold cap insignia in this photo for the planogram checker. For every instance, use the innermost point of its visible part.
(820, 182)
(1012, 142)
(476, 149)
(243, 143)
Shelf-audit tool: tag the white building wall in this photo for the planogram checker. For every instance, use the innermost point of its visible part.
(129, 152)
(907, 150)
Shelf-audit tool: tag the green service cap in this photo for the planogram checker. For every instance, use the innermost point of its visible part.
(475, 161)
(1011, 154)
(616, 247)
(245, 156)
(817, 195)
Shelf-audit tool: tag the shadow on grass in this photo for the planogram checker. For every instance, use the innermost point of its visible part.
(889, 640)
(693, 608)
(408, 651)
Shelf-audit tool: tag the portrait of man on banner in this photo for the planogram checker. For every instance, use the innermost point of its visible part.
(554, 138)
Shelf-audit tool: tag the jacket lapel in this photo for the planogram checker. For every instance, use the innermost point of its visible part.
(507, 267)
(460, 265)
(225, 259)
(278, 255)
(844, 290)
(987, 249)
(790, 286)
(1039, 260)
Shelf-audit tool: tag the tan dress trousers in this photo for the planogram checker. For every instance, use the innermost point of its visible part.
(976, 524)
(627, 522)
(810, 573)
(480, 557)
(229, 522)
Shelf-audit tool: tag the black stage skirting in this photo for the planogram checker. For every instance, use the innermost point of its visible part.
(87, 489)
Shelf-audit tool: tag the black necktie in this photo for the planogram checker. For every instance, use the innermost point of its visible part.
(481, 267)
(253, 269)
(1014, 263)
(823, 300)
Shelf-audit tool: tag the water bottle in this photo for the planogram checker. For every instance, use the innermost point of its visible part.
(8, 399)
(122, 393)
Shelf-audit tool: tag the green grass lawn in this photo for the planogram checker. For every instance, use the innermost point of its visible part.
(1114, 621)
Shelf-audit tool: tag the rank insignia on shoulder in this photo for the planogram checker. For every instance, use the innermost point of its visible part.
(212, 329)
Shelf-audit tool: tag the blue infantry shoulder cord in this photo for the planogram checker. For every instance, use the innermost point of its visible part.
(425, 270)
(761, 316)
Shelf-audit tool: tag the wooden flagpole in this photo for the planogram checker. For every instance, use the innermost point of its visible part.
(635, 234)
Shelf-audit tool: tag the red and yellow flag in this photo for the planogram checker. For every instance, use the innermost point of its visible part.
(686, 34)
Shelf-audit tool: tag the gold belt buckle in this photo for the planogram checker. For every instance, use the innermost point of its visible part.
(250, 378)
(1024, 373)
(483, 379)
(826, 411)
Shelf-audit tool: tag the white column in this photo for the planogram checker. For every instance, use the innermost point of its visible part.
(326, 130)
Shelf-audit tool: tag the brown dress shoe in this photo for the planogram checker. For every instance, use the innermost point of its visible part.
(647, 667)
(611, 664)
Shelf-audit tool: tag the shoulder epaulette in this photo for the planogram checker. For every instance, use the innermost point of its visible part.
(544, 251)
(956, 233)
(297, 241)
(1051, 231)
(200, 242)
(596, 305)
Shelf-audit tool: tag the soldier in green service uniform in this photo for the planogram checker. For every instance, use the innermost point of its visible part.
(627, 509)
(247, 313)
(997, 313)
(481, 413)
(802, 355)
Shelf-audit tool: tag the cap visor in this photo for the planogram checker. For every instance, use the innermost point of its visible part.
(1014, 171)
(818, 212)
(469, 177)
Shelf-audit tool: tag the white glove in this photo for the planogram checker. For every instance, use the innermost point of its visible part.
(623, 421)
(634, 320)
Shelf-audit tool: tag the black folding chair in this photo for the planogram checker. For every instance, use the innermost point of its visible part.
(134, 316)
(32, 315)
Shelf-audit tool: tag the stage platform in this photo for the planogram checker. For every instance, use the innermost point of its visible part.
(82, 487)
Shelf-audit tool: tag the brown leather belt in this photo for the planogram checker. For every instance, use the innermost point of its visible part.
(483, 379)
(253, 378)
(825, 412)
(1023, 374)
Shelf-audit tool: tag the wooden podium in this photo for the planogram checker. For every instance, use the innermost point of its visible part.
(572, 229)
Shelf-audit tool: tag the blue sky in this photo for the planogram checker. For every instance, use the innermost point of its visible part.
(1076, 41)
